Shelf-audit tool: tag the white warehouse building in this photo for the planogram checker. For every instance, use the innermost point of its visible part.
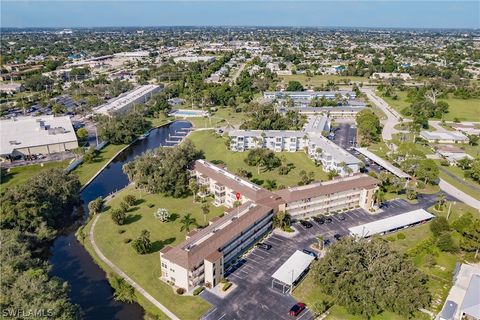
(126, 101)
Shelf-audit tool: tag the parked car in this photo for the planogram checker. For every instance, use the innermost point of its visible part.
(326, 242)
(319, 220)
(306, 224)
(310, 253)
(341, 216)
(296, 309)
(337, 236)
(328, 220)
(264, 246)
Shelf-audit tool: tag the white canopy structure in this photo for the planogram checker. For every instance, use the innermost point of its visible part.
(383, 163)
(291, 270)
(391, 224)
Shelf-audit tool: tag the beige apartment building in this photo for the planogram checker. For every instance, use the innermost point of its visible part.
(206, 253)
(330, 196)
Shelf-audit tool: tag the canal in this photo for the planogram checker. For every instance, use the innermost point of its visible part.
(89, 286)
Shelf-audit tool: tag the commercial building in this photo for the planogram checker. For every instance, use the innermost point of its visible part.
(36, 135)
(310, 140)
(444, 137)
(329, 197)
(127, 100)
(206, 253)
(309, 95)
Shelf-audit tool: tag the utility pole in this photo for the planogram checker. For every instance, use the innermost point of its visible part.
(450, 210)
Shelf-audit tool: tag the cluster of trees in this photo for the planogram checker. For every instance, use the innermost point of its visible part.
(264, 117)
(369, 128)
(38, 83)
(142, 245)
(30, 215)
(163, 170)
(122, 128)
(413, 161)
(367, 278)
(471, 168)
(119, 215)
(294, 86)
(262, 158)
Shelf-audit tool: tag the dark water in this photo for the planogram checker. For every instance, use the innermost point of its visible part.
(89, 287)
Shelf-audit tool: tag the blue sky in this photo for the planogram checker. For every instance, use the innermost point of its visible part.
(357, 13)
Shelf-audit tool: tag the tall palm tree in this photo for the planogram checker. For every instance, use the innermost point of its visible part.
(186, 222)
(205, 210)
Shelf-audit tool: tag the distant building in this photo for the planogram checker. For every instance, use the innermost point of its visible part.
(309, 95)
(340, 112)
(190, 59)
(452, 154)
(469, 129)
(10, 88)
(444, 137)
(391, 75)
(36, 135)
(132, 54)
(127, 100)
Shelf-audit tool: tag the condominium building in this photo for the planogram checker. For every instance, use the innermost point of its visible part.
(127, 100)
(206, 253)
(330, 196)
(310, 140)
(309, 95)
(340, 112)
(227, 188)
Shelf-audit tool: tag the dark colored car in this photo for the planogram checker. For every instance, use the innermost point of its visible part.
(328, 220)
(341, 216)
(337, 236)
(319, 220)
(264, 246)
(306, 224)
(296, 309)
(310, 253)
(326, 243)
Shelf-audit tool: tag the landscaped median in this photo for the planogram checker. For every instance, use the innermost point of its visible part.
(113, 242)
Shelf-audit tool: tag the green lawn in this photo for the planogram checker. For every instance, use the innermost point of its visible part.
(86, 171)
(318, 80)
(145, 269)
(220, 118)
(214, 148)
(21, 174)
(459, 173)
(463, 109)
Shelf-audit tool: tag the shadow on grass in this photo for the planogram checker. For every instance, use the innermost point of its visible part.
(173, 217)
(160, 244)
(132, 218)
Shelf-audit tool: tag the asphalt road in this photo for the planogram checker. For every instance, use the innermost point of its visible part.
(254, 298)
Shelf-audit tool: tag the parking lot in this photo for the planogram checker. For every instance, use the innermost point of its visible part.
(254, 298)
(345, 135)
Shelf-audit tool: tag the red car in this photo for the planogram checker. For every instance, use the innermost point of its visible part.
(296, 309)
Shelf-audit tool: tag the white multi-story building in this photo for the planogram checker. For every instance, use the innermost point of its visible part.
(309, 140)
(126, 101)
(309, 95)
(206, 253)
(329, 197)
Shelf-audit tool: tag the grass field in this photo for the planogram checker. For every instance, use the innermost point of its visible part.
(86, 171)
(463, 109)
(221, 118)
(458, 172)
(214, 148)
(21, 174)
(145, 269)
(318, 80)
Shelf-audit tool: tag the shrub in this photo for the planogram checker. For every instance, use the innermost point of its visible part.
(401, 236)
(288, 229)
(226, 286)
(197, 291)
(119, 216)
(130, 199)
(445, 242)
(430, 261)
(439, 225)
(180, 291)
(124, 206)
(127, 240)
(390, 238)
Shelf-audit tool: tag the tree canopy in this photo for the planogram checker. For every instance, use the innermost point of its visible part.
(367, 277)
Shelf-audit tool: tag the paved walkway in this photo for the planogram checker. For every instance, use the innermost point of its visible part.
(122, 274)
(460, 195)
(465, 183)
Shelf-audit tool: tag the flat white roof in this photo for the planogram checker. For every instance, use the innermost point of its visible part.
(24, 132)
(391, 223)
(447, 135)
(124, 99)
(293, 268)
(382, 162)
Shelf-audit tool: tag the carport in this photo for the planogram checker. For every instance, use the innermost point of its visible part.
(391, 224)
(383, 163)
(291, 270)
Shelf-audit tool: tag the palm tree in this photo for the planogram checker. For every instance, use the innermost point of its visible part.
(186, 222)
(320, 242)
(205, 210)
(440, 201)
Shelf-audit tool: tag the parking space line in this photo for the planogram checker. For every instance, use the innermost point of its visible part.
(256, 255)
